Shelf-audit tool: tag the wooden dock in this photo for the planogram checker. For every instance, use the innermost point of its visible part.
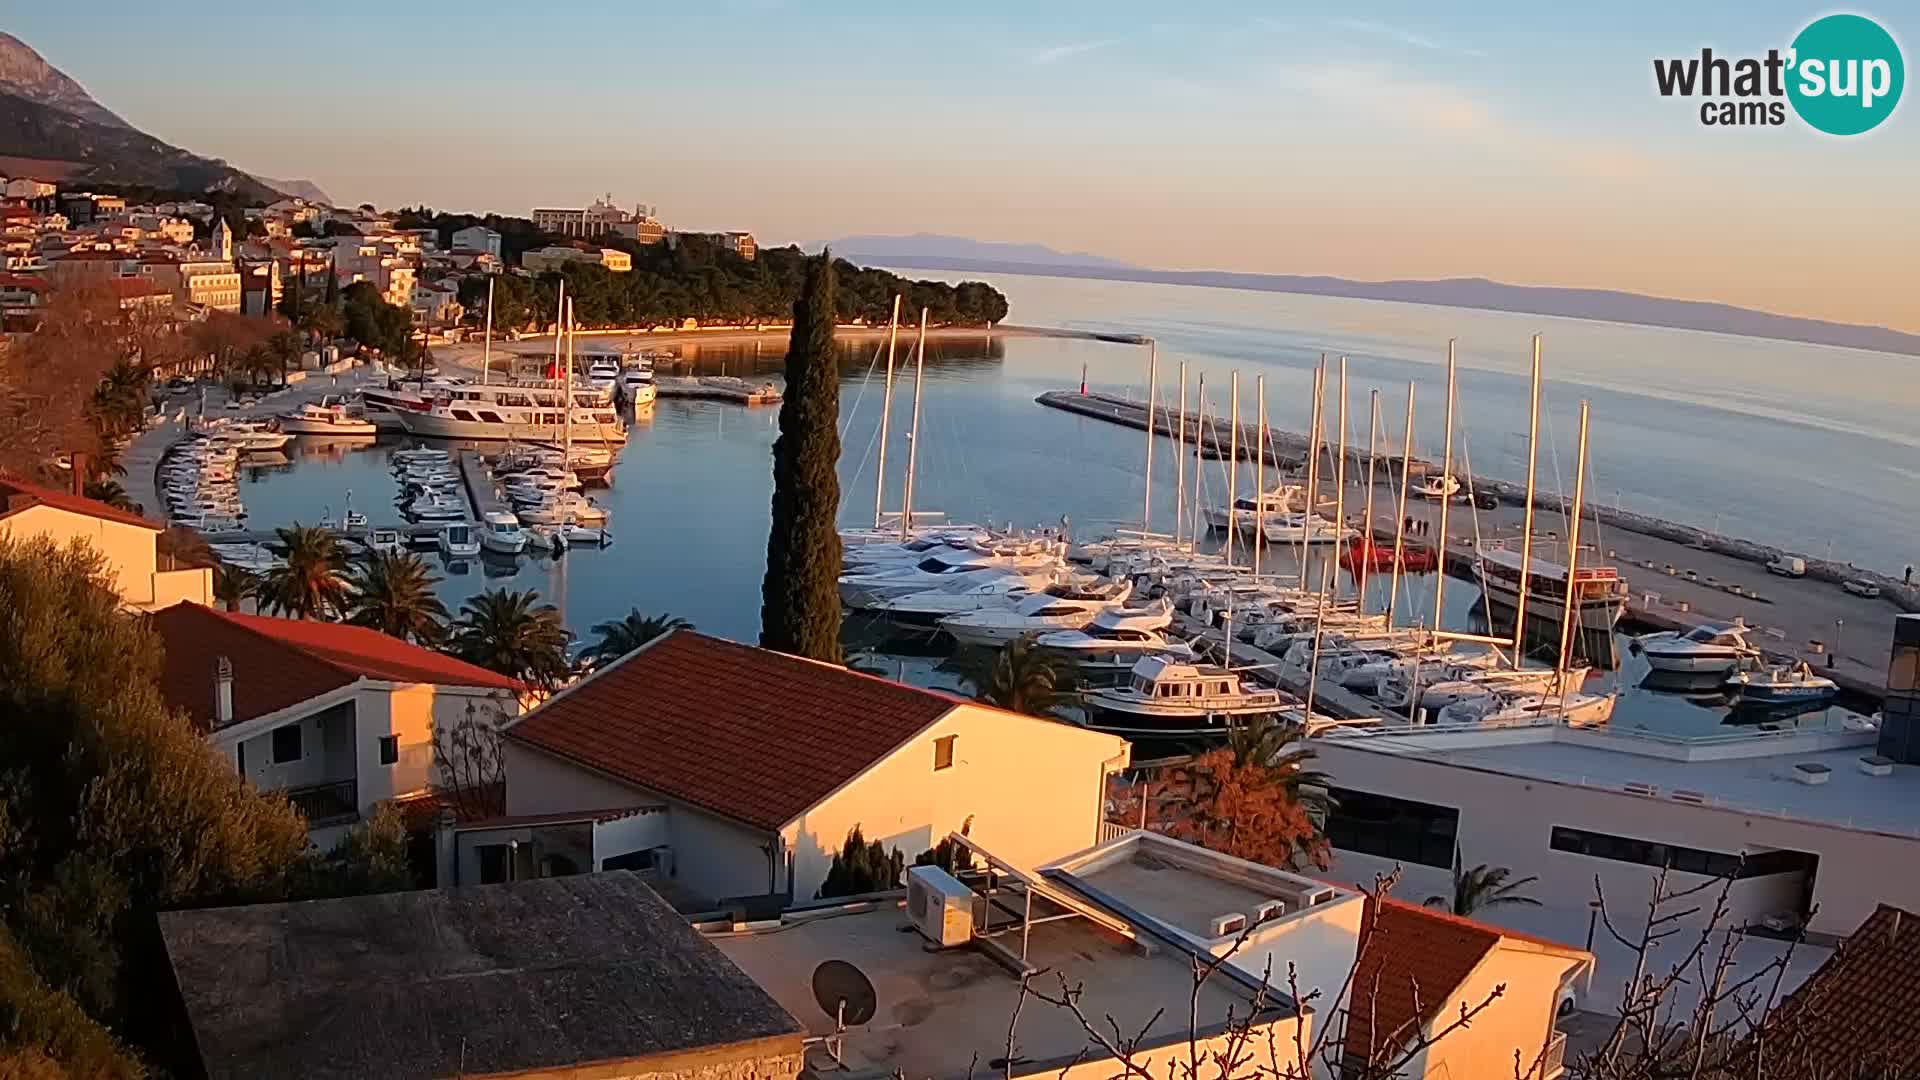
(716, 388)
(474, 476)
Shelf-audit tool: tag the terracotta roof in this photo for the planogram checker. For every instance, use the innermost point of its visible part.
(278, 663)
(1858, 1008)
(1412, 959)
(18, 495)
(127, 288)
(597, 817)
(749, 734)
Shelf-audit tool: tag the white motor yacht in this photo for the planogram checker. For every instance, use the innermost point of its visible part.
(1172, 699)
(967, 593)
(386, 542)
(1444, 486)
(1704, 649)
(637, 384)
(1252, 514)
(253, 437)
(1575, 709)
(1444, 683)
(1116, 639)
(524, 411)
(1296, 529)
(603, 371)
(328, 417)
(864, 590)
(500, 532)
(457, 541)
(1061, 606)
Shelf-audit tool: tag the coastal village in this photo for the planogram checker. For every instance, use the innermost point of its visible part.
(1286, 834)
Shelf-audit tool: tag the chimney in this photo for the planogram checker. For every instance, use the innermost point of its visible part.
(446, 854)
(223, 693)
(81, 472)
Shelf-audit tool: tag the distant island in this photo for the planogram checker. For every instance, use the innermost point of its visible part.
(930, 252)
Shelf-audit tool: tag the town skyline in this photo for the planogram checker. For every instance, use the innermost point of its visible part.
(1526, 147)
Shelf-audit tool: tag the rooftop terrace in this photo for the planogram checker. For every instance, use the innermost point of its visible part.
(1754, 773)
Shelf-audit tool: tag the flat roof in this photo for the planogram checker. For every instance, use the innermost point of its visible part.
(944, 1014)
(474, 981)
(1749, 773)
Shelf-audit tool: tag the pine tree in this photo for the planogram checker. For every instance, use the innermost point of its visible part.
(800, 597)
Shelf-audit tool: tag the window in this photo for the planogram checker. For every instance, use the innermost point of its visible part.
(389, 749)
(286, 744)
(493, 863)
(943, 752)
(1392, 828)
(1686, 860)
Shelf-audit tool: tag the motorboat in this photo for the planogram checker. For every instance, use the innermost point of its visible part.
(968, 593)
(253, 437)
(1600, 597)
(1293, 529)
(864, 590)
(585, 536)
(1252, 513)
(1061, 606)
(637, 384)
(500, 532)
(328, 417)
(1378, 556)
(1446, 683)
(457, 541)
(1116, 639)
(1709, 648)
(603, 372)
(386, 542)
(526, 411)
(1167, 698)
(1787, 684)
(1574, 709)
(1443, 486)
(437, 508)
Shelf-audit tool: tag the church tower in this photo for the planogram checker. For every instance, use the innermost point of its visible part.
(222, 240)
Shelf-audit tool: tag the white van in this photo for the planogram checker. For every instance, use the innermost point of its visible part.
(1788, 566)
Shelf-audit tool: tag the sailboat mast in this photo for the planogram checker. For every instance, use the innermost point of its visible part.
(486, 342)
(559, 321)
(1340, 474)
(567, 411)
(1339, 513)
(1446, 499)
(1259, 470)
(1569, 611)
(1526, 519)
(913, 435)
(1400, 517)
(1200, 426)
(1180, 459)
(1313, 465)
(1366, 528)
(1233, 464)
(886, 413)
(1153, 394)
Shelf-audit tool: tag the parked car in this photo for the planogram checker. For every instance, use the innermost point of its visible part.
(1861, 587)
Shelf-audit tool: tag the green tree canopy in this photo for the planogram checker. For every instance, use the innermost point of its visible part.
(392, 592)
(800, 596)
(514, 634)
(618, 637)
(862, 866)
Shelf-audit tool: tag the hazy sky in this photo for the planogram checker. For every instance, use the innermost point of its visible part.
(1521, 141)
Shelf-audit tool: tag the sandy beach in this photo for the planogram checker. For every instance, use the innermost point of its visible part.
(465, 356)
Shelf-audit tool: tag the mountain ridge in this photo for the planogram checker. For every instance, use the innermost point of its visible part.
(1608, 305)
(940, 245)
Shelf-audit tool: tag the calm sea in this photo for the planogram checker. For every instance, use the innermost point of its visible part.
(1797, 445)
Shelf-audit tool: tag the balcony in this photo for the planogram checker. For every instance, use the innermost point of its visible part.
(335, 803)
(1553, 1061)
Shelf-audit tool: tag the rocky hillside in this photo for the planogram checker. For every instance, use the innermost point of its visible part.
(62, 133)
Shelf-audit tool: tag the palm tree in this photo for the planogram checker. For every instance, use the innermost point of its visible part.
(1022, 679)
(1483, 886)
(393, 593)
(231, 585)
(514, 634)
(313, 582)
(1266, 741)
(621, 636)
(111, 493)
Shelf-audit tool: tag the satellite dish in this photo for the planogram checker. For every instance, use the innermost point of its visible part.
(844, 992)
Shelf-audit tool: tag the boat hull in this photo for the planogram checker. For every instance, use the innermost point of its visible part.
(292, 426)
(1156, 725)
(1690, 663)
(428, 425)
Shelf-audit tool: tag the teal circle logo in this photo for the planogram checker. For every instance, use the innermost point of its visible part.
(1846, 74)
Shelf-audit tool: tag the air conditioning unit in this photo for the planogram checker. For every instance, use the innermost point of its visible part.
(1223, 925)
(1269, 910)
(940, 906)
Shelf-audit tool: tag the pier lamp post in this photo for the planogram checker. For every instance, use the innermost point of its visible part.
(1839, 625)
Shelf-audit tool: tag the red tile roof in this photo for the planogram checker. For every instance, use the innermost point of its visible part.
(127, 288)
(278, 663)
(748, 734)
(1412, 959)
(1858, 1009)
(17, 495)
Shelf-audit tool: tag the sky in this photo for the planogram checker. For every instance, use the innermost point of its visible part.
(1522, 142)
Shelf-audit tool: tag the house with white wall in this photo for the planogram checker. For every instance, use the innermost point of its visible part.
(341, 718)
(764, 762)
(146, 579)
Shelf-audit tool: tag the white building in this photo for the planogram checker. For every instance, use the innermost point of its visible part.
(436, 304)
(25, 187)
(1804, 819)
(477, 238)
(146, 579)
(764, 762)
(1127, 921)
(601, 218)
(340, 718)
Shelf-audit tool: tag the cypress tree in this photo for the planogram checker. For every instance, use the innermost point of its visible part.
(333, 286)
(800, 597)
